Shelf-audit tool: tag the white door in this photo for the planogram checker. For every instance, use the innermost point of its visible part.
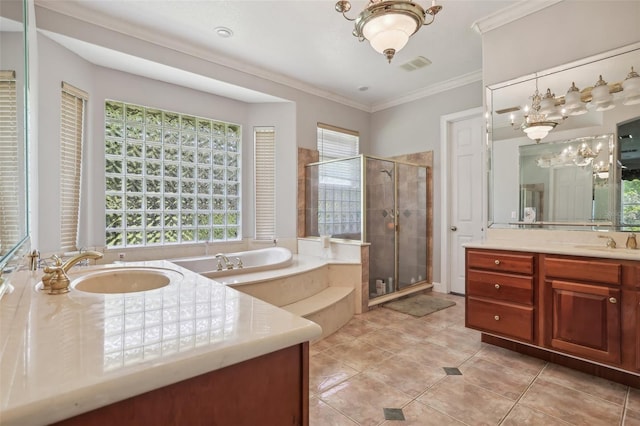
(465, 177)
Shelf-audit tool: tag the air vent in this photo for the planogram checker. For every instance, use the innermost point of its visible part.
(414, 64)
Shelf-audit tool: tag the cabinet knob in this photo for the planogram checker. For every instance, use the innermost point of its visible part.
(497, 286)
(613, 300)
(497, 317)
(497, 262)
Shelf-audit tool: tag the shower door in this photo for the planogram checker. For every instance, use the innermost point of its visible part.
(411, 224)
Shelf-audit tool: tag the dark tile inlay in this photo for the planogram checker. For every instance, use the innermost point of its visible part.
(393, 414)
(452, 371)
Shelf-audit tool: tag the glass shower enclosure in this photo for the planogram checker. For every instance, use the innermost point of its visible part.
(375, 200)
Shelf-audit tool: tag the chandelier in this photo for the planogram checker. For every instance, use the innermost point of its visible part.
(388, 24)
(542, 117)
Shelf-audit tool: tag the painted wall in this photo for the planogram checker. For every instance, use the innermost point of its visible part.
(565, 32)
(415, 127)
(58, 64)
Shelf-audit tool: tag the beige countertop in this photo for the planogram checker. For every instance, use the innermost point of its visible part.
(589, 250)
(67, 354)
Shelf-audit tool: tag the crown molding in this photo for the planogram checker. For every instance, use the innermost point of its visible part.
(443, 86)
(510, 14)
(89, 16)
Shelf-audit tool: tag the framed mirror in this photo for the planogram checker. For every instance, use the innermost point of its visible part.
(13, 129)
(561, 146)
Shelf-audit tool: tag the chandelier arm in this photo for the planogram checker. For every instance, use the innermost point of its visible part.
(433, 18)
(347, 18)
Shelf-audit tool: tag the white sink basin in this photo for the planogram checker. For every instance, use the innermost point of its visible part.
(125, 280)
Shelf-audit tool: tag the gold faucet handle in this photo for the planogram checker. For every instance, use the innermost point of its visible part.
(59, 281)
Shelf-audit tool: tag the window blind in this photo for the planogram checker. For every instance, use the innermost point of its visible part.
(72, 110)
(9, 213)
(334, 142)
(265, 183)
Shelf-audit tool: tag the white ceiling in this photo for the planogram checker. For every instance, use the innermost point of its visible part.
(303, 42)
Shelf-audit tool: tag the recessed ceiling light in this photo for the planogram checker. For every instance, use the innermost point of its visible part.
(223, 32)
(363, 88)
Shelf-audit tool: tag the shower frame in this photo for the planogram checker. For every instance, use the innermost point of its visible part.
(398, 285)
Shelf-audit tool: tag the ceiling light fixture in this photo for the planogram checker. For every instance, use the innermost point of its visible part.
(538, 121)
(223, 32)
(388, 24)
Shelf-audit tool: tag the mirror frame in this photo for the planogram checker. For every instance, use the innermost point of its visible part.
(12, 254)
(489, 149)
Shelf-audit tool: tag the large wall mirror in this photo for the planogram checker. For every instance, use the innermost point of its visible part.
(13, 130)
(564, 146)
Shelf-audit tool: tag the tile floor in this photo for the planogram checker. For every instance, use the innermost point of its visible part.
(386, 359)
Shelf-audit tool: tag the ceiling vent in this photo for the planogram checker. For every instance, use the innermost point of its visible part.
(414, 64)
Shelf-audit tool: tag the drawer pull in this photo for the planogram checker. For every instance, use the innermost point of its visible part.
(497, 286)
(497, 317)
(497, 262)
(613, 300)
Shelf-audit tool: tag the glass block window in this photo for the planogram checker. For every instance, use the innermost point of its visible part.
(338, 181)
(171, 178)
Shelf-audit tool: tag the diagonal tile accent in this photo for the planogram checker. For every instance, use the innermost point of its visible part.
(393, 414)
(452, 371)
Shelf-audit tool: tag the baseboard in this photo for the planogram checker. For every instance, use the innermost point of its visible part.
(439, 288)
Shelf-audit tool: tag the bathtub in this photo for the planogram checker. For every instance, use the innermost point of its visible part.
(252, 261)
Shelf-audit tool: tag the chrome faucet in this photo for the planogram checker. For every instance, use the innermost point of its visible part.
(55, 279)
(611, 243)
(227, 263)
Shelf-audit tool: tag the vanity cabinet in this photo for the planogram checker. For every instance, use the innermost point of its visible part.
(582, 307)
(500, 296)
(581, 312)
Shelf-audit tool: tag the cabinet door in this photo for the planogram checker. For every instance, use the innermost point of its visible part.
(585, 320)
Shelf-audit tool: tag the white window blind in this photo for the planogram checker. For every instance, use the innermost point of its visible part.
(334, 142)
(9, 213)
(71, 136)
(265, 183)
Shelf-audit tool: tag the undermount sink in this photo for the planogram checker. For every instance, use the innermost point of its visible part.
(125, 280)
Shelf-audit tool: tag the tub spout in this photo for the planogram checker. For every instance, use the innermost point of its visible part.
(227, 263)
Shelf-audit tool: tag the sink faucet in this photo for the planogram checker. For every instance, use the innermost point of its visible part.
(228, 264)
(55, 279)
(611, 243)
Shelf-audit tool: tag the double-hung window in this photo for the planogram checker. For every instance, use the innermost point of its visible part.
(72, 113)
(171, 178)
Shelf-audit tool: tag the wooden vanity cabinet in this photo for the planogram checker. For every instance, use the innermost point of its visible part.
(581, 305)
(500, 296)
(581, 312)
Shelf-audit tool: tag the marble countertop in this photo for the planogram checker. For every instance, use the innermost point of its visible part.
(590, 250)
(62, 355)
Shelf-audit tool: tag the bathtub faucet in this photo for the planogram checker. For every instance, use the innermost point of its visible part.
(227, 263)
(240, 265)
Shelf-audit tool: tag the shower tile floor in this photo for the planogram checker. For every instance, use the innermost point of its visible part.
(384, 359)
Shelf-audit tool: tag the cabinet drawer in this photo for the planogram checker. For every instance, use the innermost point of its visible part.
(505, 287)
(583, 270)
(501, 318)
(500, 261)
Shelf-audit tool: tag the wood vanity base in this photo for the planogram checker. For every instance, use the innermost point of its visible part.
(272, 389)
(566, 361)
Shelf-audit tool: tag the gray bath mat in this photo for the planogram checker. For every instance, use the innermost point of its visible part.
(419, 305)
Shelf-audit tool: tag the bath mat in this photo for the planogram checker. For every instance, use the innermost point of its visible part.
(419, 305)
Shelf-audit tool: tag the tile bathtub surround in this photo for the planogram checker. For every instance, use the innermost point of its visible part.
(386, 359)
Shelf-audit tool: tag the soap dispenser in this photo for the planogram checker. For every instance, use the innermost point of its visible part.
(631, 241)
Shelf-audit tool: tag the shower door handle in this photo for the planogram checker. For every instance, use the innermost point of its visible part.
(454, 228)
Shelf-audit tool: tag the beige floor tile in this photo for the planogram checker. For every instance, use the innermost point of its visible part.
(432, 354)
(416, 328)
(358, 354)
(511, 359)
(418, 414)
(326, 372)
(466, 402)
(363, 399)
(571, 405)
(507, 382)
(457, 337)
(388, 340)
(631, 418)
(521, 415)
(587, 383)
(633, 399)
(321, 414)
(408, 376)
(336, 338)
(359, 326)
(383, 316)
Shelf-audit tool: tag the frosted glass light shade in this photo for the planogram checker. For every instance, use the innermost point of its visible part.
(537, 131)
(391, 31)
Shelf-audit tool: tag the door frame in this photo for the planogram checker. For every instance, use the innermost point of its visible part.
(444, 286)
